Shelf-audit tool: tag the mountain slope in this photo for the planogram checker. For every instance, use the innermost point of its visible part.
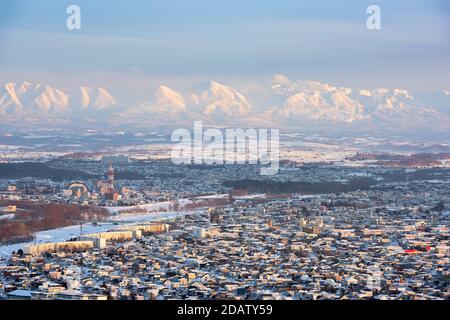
(31, 104)
(313, 102)
(216, 99)
(288, 104)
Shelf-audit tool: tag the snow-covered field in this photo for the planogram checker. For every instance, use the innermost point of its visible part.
(149, 207)
(251, 196)
(63, 234)
(146, 213)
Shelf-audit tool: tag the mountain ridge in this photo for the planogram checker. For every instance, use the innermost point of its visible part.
(294, 105)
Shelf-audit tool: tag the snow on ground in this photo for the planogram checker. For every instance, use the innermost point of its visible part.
(7, 147)
(55, 235)
(149, 207)
(155, 216)
(213, 196)
(148, 212)
(63, 234)
(251, 196)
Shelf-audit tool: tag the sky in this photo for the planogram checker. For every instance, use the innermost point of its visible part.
(135, 44)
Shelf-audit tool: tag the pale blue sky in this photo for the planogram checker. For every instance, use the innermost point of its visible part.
(135, 41)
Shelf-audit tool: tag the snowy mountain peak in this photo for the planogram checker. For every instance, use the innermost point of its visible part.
(40, 100)
(220, 99)
(85, 98)
(90, 98)
(166, 97)
(13, 95)
(282, 102)
(284, 86)
(104, 99)
(51, 99)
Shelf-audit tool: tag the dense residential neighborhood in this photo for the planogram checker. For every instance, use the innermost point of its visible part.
(388, 241)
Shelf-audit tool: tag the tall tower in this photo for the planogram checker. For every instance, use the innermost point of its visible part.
(109, 189)
(111, 176)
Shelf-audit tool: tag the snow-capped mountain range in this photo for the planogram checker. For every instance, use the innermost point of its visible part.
(287, 104)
